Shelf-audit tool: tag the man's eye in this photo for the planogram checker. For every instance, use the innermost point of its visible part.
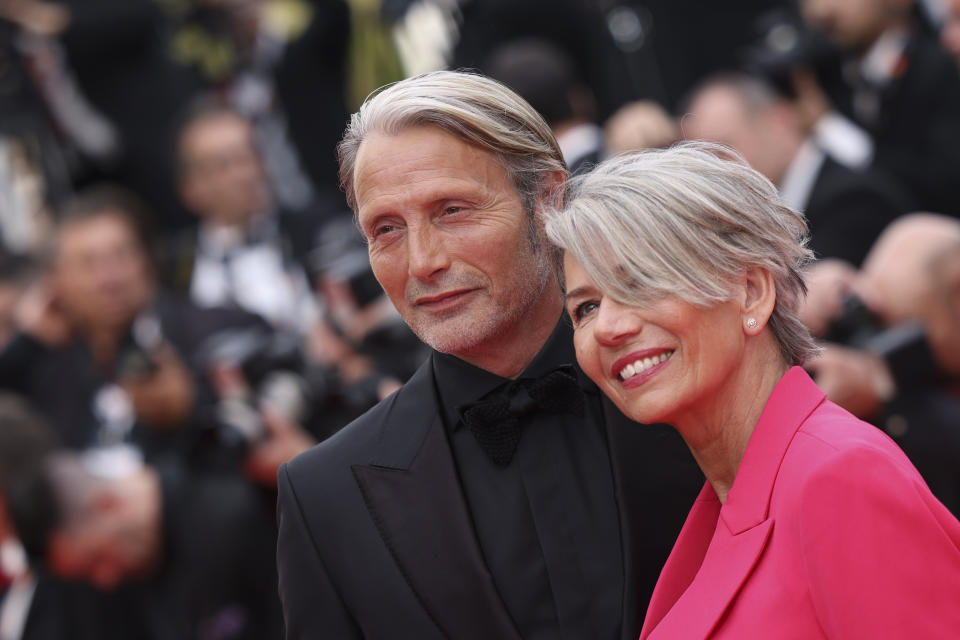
(382, 229)
(451, 210)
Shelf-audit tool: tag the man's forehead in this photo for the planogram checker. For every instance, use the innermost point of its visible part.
(424, 153)
(109, 221)
(414, 139)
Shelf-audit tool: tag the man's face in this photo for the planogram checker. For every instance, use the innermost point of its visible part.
(449, 240)
(101, 278)
(950, 35)
(719, 115)
(900, 285)
(851, 24)
(223, 180)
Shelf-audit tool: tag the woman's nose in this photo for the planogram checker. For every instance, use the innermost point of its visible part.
(615, 322)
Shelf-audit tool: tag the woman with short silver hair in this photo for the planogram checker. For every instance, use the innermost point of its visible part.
(684, 278)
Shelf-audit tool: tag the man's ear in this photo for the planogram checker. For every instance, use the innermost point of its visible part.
(758, 299)
(552, 187)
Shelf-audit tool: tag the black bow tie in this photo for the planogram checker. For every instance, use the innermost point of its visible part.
(495, 419)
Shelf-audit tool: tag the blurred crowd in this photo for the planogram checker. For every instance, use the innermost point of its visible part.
(186, 303)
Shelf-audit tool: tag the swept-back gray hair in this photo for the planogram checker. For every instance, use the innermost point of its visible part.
(476, 109)
(687, 221)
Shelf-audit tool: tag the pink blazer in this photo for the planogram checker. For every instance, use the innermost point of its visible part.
(827, 532)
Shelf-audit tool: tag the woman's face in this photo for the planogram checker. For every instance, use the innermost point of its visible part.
(657, 363)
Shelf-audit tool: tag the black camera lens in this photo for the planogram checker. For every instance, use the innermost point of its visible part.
(855, 325)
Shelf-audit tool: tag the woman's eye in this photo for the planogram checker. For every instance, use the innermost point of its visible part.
(584, 309)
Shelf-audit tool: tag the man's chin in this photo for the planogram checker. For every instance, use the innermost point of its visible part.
(453, 335)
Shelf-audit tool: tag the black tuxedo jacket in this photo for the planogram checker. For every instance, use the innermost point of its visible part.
(376, 540)
(847, 210)
(917, 134)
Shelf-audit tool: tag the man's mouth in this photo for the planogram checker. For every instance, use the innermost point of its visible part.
(442, 300)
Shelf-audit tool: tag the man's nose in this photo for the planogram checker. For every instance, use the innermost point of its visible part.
(427, 252)
(615, 322)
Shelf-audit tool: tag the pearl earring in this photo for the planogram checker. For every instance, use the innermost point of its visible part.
(752, 323)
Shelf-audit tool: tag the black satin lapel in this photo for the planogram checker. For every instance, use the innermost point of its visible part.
(408, 421)
(630, 520)
(423, 519)
(656, 481)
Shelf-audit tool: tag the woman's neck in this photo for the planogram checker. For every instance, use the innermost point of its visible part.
(717, 434)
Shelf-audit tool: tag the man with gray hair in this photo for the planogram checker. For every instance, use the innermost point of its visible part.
(496, 494)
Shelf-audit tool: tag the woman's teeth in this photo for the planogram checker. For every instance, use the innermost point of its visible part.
(643, 364)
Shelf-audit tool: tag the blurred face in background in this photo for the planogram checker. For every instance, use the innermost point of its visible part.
(854, 24)
(950, 35)
(913, 275)
(943, 318)
(222, 177)
(102, 277)
(717, 114)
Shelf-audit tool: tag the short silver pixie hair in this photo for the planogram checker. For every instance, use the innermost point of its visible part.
(687, 221)
(476, 109)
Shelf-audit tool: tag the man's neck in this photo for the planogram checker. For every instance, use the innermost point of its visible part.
(508, 355)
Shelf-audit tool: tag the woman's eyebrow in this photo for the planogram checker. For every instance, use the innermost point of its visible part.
(579, 291)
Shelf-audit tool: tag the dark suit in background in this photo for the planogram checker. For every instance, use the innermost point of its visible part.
(916, 130)
(847, 210)
(64, 382)
(310, 81)
(60, 610)
(118, 52)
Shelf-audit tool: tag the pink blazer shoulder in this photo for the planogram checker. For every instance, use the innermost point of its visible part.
(828, 532)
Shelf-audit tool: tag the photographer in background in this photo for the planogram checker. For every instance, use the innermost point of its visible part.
(846, 210)
(33, 604)
(950, 33)
(547, 77)
(246, 250)
(191, 551)
(366, 350)
(110, 358)
(893, 350)
(893, 82)
(283, 65)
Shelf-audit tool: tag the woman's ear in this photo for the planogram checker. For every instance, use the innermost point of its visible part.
(759, 299)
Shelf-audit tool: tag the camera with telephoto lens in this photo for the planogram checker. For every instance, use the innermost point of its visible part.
(784, 45)
(271, 365)
(903, 347)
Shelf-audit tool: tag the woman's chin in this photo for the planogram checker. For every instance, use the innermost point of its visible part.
(638, 412)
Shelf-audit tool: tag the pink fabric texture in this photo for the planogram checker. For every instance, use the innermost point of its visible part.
(828, 532)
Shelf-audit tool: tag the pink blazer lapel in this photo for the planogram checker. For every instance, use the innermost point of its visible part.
(718, 547)
(726, 567)
(685, 558)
